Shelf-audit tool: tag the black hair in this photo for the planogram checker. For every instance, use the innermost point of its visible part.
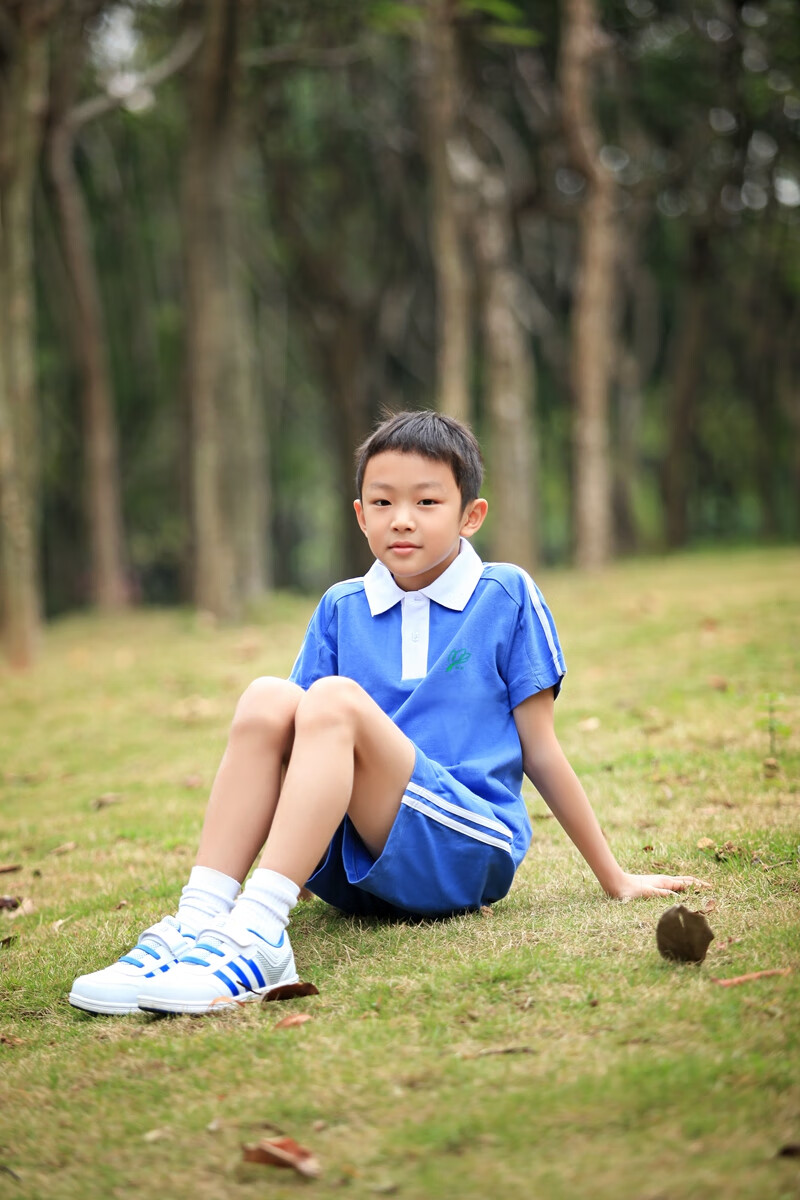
(431, 435)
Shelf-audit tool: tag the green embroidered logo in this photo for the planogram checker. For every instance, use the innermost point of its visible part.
(456, 659)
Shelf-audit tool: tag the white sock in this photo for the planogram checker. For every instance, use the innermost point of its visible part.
(264, 906)
(208, 894)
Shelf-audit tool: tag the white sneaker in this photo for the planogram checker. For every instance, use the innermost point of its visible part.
(219, 971)
(114, 989)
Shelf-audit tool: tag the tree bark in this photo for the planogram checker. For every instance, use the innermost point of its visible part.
(23, 90)
(439, 96)
(592, 331)
(103, 499)
(226, 426)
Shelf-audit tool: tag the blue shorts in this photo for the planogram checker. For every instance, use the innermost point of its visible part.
(447, 852)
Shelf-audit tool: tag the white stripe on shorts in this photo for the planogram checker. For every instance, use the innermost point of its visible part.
(412, 802)
(476, 818)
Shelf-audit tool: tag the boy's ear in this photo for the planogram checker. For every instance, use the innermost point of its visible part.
(474, 516)
(360, 515)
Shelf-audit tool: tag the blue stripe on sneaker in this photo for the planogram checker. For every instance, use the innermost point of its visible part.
(259, 977)
(127, 958)
(232, 988)
(194, 958)
(239, 973)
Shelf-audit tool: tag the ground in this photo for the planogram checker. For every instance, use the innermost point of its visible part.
(542, 1048)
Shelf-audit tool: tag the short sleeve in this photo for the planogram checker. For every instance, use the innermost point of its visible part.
(318, 655)
(535, 659)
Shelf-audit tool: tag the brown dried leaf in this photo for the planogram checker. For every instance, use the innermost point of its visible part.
(65, 848)
(718, 682)
(709, 905)
(683, 935)
(282, 1152)
(726, 851)
(648, 848)
(589, 725)
(771, 767)
(106, 800)
(122, 904)
(26, 908)
(290, 991)
(292, 1020)
(156, 1135)
(7, 868)
(790, 1150)
(705, 843)
(10, 902)
(7, 1040)
(8, 940)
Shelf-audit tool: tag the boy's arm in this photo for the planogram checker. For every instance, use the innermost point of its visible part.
(547, 767)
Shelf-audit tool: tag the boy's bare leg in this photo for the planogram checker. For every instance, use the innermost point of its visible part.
(248, 781)
(347, 757)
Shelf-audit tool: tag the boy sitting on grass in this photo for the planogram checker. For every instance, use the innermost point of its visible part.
(385, 774)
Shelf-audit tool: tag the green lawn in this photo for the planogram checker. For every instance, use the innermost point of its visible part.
(542, 1049)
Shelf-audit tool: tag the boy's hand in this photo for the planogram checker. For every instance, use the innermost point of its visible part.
(633, 887)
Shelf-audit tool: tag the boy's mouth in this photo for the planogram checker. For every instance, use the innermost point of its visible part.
(400, 547)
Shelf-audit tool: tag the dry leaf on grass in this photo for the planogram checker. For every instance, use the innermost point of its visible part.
(26, 908)
(705, 843)
(727, 850)
(718, 682)
(6, 1040)
(156, 1135)
(65, 848)
(106, 800)
(7, 868)
(290, 991)
(282, 1152)
(292, 1020)
(10, 902)
(683, 935)
(737, 979)
(8, 940)
(790, 1150)
(589, 724)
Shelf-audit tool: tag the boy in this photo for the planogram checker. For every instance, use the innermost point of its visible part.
(385, 774)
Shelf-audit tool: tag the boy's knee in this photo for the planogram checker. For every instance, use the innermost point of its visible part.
(267, 705)
(334, 699)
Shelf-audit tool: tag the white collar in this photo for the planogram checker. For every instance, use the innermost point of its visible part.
(452, 589)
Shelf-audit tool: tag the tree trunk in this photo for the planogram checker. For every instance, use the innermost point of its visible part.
(23, 88)
(510, 384)
(593, 304)
(103, 500)
(439, 95)
(226, 428)
(684, 385)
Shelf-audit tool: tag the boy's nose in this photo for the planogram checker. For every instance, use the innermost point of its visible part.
(403, 518)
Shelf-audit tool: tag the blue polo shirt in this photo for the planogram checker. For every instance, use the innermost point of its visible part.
(448, 664)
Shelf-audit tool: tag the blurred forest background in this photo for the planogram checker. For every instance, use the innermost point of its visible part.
(231, 231)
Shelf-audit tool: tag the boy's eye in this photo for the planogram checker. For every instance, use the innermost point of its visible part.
(381, 503)
(429, 503)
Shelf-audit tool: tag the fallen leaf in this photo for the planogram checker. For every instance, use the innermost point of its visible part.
(214, 1126)
(487, 910)
(8, 940)
(647, 848)
(107, 799)
(709, 624)
(737, 979)
(7, 868)
(65, 848)
(771, 767)
(790, 1150)
(156, 1135)
(683, 935)
(709, 906)
(705, 843)
(726, 851)
(122, 904)
(718, 683)
(290, 991)
(282, 1152)
(56, 925)
(6, 1040)
(10, 902)
(589, 724)
(292, 1020)
(25, 909)
(318, 1126)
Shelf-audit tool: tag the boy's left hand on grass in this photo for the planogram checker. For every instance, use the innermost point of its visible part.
(634, 887)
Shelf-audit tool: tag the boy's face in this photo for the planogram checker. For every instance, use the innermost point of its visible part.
(412, 515)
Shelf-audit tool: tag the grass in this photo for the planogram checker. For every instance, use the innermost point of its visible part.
(543, 1049)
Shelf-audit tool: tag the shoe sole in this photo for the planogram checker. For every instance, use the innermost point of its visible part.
(106, 1008)
(156, 1004)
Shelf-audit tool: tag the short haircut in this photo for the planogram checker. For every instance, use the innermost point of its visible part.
(431, 435)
